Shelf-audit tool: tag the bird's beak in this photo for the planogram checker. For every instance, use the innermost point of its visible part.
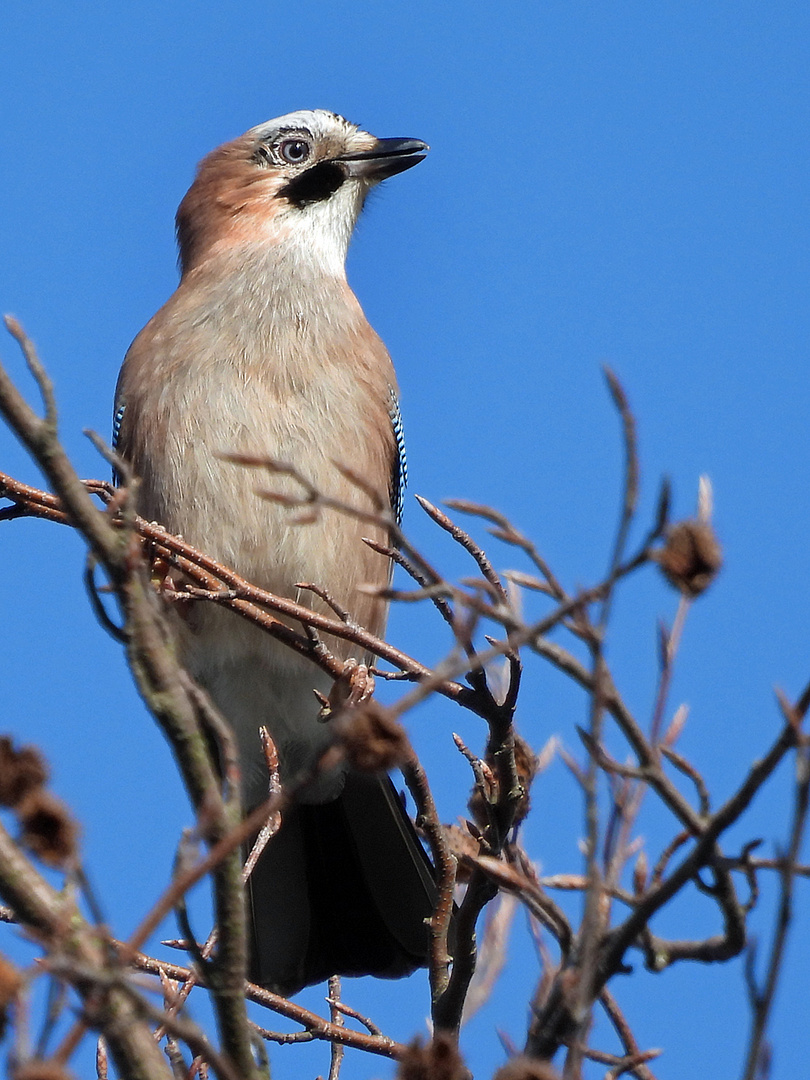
(387, 158)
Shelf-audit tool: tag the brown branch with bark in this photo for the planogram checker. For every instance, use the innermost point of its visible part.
(475, 862)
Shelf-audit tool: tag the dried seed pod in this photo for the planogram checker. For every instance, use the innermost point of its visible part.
(691, 557)
(21, 771)
(48, 830)
(526, 768)
(372, 739)
(461, 843)
(437, 1060)
(526, 1068)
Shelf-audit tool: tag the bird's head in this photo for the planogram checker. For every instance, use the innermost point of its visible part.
(297, 182)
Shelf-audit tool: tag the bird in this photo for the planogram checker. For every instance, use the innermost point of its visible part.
(264, 350)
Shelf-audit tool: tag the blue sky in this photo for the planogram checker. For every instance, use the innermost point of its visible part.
(608, 183)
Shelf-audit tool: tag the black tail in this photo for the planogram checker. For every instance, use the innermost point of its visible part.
(343, 889)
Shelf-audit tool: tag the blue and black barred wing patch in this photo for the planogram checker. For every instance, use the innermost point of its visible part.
(399, 473)
(116, 427)
(118, 417)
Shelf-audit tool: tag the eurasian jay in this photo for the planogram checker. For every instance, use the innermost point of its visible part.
(264, 350)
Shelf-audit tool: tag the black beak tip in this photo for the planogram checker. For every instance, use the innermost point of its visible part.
(408, 146)
(411, 151)
(388, 157)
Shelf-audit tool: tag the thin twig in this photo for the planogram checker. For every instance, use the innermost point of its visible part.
(762, 1000)
(337, 1050)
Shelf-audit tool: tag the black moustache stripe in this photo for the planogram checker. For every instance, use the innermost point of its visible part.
(314, 185)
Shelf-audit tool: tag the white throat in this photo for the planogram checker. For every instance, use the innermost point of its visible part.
(317, 236)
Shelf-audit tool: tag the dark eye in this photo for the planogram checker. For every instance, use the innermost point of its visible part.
(294, 151)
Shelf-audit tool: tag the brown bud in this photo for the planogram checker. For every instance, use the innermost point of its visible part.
(437, 1060)
(640, 874)
(20, 772)
(691, 557)
(526, 1068)
(48, 830)
(373, 740)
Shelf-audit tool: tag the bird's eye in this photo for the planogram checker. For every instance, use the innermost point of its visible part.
(294, 151)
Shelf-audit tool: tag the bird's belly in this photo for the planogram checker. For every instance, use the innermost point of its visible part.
(217, 505)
